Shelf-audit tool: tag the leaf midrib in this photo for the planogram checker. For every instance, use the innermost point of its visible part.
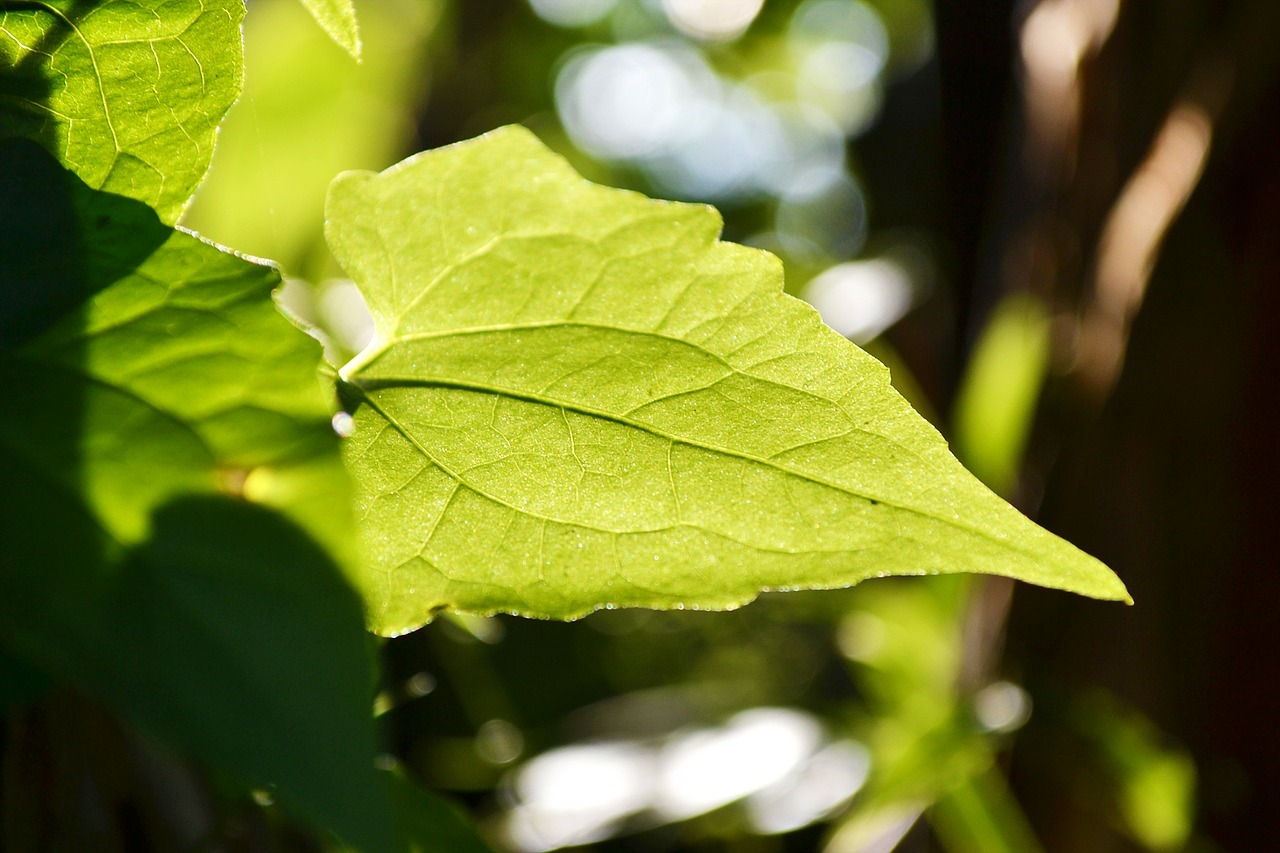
(367, 357)
(366, 389)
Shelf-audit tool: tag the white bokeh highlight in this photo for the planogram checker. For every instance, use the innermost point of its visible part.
(777, 764)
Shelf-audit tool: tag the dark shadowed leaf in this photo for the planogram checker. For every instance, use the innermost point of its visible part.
(425, 823)
(170, 473)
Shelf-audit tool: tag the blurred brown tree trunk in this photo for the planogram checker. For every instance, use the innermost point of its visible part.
(1155, 448)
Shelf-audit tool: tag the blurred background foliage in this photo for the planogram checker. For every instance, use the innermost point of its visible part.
(984, 195)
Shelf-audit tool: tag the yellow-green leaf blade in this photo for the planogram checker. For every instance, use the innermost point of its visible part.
(128, 94)
(338, 19)
(578, 397)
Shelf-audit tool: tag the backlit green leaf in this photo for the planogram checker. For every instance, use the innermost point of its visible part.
(169, 467)
(578, 397)
(127, 94)
(338, 18)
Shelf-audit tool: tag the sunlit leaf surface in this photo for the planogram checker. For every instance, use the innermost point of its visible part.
(127, 94)
(578, 397)
(169, 473)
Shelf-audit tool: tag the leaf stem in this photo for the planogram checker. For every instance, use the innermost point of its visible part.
(361, 360)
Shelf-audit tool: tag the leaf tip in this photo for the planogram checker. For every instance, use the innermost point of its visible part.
(1113, 588)
(350, 42)
(1104, 585)
(338, 19)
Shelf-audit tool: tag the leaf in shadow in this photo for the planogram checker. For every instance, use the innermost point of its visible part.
(127, 93)
(173, 498)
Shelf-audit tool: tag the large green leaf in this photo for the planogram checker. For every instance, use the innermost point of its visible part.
(169, 467)
(126, 93)
(338, 19)
(578, 398)
(425, 823)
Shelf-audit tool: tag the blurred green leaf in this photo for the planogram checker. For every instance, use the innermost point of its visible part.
(1155, 782)
(1159, 801)
(907, 643)
(980, 816)
(997, 398)
(170, 467)
(126, 93)
(874, 829)
(577, 397)
(307, 113)
(338, 19)
(907, 640)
